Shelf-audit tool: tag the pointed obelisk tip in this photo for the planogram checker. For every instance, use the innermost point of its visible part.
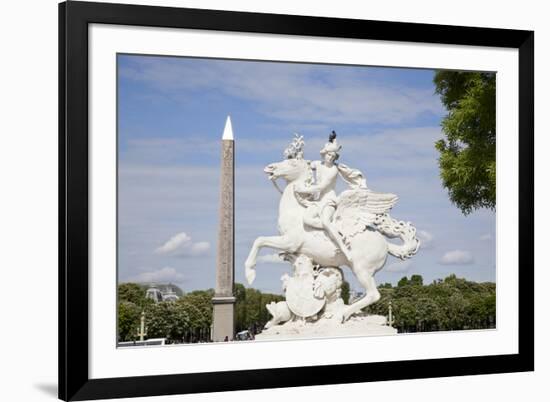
(228, 130)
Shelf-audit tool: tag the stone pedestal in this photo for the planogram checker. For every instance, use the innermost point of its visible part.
(223, 318)
(363, 325)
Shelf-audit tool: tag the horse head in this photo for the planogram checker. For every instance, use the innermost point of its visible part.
(289, 170)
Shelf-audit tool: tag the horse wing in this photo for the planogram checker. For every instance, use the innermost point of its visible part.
(358, 208)
(380, 203)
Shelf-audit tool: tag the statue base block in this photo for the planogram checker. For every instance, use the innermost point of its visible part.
(361, 325)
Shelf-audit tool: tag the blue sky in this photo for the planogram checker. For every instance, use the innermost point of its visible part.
(172, 112)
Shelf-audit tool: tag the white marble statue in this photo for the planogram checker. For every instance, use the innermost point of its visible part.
(311, 293)
(321, 228)
(280, 313)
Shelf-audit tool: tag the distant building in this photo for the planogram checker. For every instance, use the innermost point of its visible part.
(169, 295)
(158, 295)
(154, 294)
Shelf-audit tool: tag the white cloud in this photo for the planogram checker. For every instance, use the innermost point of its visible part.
(200, 248)
(181, 245)
(486, 237)
(457, 257)
(175, 242)
(399, 266)
(426, 239)
(271, 258)
(166, 274)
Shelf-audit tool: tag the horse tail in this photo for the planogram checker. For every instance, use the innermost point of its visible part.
(393, 228)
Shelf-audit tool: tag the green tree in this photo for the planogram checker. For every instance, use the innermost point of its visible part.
(240, 307)
(132, 292)
(403, 282)
(239, 291)
(131, 302)
(416, 280)
(198, 305)
(449, 304)
(128, 320)
(250, 310)
(167, 320)
(345, 291)
(467, 154)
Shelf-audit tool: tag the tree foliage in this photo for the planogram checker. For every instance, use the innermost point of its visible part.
(250, 311)
(198, 305)
(167, 320)
(188, 319)
(131, 302)
(128, 320)
(133, 293)
(449, 304)
(467, 154)
(345, 291)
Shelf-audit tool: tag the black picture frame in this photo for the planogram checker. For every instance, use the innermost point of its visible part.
(74, 18)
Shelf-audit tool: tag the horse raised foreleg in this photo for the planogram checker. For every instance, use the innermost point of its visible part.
(284, 243)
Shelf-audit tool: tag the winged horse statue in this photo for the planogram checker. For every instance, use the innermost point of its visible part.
(349, 229)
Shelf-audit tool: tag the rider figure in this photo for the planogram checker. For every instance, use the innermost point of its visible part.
(322, 196)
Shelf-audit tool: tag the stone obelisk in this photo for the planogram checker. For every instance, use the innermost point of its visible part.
(223, 300)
